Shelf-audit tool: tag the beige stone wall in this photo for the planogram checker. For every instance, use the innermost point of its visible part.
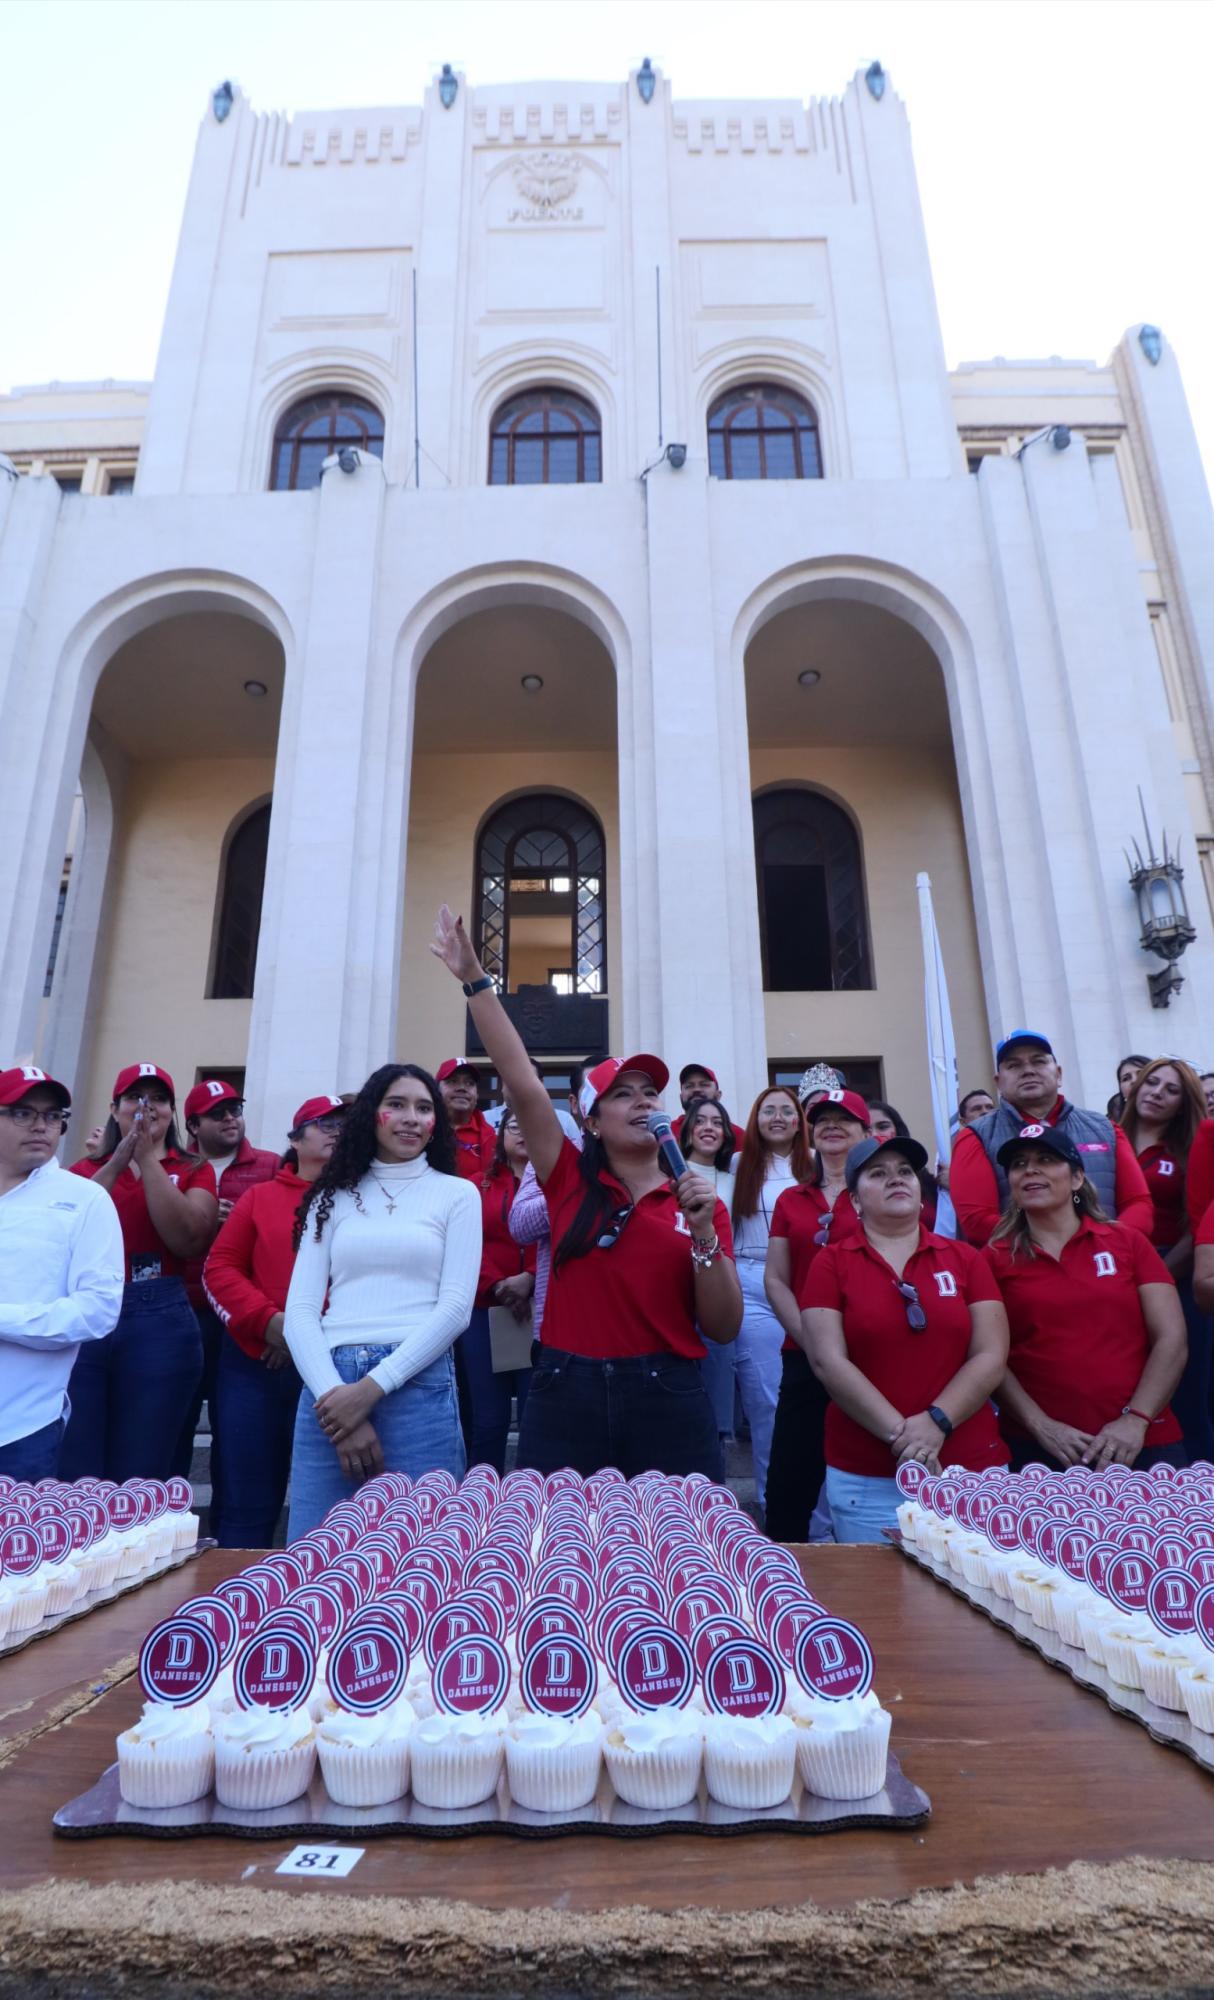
(450, 796)
(909, 816)
(157, 931)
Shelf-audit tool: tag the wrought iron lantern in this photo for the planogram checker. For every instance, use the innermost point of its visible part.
(448, 87)
(1165, 927)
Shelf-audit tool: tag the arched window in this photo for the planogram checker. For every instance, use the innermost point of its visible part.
(546, 437)
(541, 896)
(311, 431)
(760, 430)
(244, 878)
(812, 918)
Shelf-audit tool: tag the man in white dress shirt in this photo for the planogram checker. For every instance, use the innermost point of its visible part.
(61, 1268)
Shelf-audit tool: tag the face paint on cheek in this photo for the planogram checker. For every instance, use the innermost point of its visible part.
(383, 1118)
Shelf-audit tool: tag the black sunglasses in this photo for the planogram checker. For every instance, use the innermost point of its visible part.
(916, 1318)
(823, 1236)
(232, 1107)
(613, 1228)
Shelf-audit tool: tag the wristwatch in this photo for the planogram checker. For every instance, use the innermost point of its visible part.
(472, 987)
(938, 1417)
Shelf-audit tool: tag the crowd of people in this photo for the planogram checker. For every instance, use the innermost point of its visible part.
(411, 1269)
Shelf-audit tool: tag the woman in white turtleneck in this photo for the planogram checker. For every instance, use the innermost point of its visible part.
(391, 1235)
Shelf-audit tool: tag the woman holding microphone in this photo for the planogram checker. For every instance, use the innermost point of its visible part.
(641, 1267)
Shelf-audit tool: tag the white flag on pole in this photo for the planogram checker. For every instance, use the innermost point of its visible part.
(941, 1049)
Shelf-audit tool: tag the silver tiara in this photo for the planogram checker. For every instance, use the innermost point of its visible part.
(819, 1076)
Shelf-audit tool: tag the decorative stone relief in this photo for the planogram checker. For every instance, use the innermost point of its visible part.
(546, 185)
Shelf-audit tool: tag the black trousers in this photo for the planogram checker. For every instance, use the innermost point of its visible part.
(646, 1413)
(798, 1458)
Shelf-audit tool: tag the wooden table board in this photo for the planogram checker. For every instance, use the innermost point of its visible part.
(1027, 1773)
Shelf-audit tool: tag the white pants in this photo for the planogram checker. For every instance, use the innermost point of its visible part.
(757, 1358)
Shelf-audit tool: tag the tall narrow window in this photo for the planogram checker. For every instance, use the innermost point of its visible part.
(812, 917)
(244, 878)
(312, 430)
(541, 896)
(546, 437)
(761, 430)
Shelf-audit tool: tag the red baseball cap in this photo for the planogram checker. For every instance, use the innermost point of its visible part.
(839, 1100)
(313, 1108)
(448, 1068)
(18, 1083)
(143, 1073)
(207, 1094)
(604, 1074)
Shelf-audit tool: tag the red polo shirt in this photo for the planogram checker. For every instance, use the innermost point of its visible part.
(1078, 1338)
(638, 1297)
(251, 1166)
(975, 1191)
(1200, 1176)
(475, 1145)
(248, 1271)
(798, 1216)
(147, 1255)
(501, 1256)
(912, 1369)
(1163, 1172)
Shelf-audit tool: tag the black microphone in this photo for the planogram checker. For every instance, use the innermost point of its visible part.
(668, 1146)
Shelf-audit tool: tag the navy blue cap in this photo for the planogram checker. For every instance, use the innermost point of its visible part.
(1022, 1035)
(867, 1149)
(1047, 1136)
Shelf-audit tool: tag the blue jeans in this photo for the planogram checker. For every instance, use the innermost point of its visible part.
(1191, 1396)
(647, 1412)
(418, 1429)
(719, 1370)
(214, 1340)
(34, 1457)
(488, 1394)
(759, 1364)
(861, 1504)
(254, 1408)
(130, 1392)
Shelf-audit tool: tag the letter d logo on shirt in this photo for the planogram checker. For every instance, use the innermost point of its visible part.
(946, 1284)
(1105, 1264)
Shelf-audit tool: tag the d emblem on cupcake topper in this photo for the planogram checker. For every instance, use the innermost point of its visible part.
(472, 1677)
(1203, 1615)
(368, 1666)
(275, 1668)
(834, 1659)
(654, 1668)
(559, 1677)
(178, 1661)
(744, 1678)
(1171, 1595)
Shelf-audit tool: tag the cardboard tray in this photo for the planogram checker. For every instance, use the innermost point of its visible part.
(97, 1599)
(1173, 1730)
(101, 1812)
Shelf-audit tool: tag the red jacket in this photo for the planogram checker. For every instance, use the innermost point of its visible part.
(501, 1256)
(251, 1166)
(475, 1145)
(248, 1272)
(975, 1191)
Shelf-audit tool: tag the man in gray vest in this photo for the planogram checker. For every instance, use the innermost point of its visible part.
(1028, 1080)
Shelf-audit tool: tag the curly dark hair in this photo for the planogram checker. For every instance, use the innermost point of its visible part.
(355, 1149)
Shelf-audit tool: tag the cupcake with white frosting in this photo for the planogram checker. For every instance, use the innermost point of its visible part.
(263, 1756)
(1096, 1619)
(842, 1753)
(1195, 1684)
(1159, 1664)
(654, 1760)
(185, 1531)
(1125, 1643)
(457, 1759)
(364, 1759)
(1069, 1600)
(553, 1761)
(107, 1554)
(750, 1760)
(167, 1758)
(29, 1599)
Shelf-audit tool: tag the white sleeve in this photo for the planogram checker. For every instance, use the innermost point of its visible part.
(90, 1306)
(452, 1308)
(303, 1329)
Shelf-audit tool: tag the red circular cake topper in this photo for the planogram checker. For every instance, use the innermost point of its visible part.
(559, 1676)
(1127, 1536)
(1171, 1550)
(1201, 1565)
(293, 1618)
(1171, 1595)
(219, 1618)
(1127, 1578)
(346, 1588)
(1072, 1550)
(178, 1661)
(145, 1500)
(406, 1610)
(324, 1606)
(505, 1592)
(488, 1605)
(287, 1567)
(426, 1590)
(361, 1568)
(614, 1625)
(15, 1515)
(772, 1599)
(246, 1599)
(455, 1620)
(1203, 1615)
(310, 1556)
(472, 1677)
(834, 1659)
(548, 1618)
(744, 1678)
(122, 1508)
(368, 1666)
(269, 1583)
(81, 1527)
(429, 1560)
(1096, 1562)
(785, 1629)
(20, 1550)
(275, 1668)
(654, 1668)
(158, 1488)
(49, 1508)
(643, 1591)
(56, 1538)
(328, 1541)
(572, 1585)
(181, 1495)
(1201, 1533)
(713, 1633)
(1003, 1528)
(691, 1607)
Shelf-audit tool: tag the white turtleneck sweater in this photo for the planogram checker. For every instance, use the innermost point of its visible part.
(405, 1280)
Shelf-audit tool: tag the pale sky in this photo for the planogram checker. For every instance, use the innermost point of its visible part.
(1064, 147)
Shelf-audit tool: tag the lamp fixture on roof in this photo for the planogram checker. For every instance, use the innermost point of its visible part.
(1163, 914)
(876, 78)
(1150, 339)
(222, 101)
(647, 82)
(448, 87)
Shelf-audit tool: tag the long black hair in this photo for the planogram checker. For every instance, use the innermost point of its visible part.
(355, 1149)
(728, 1146)
(598, 1204)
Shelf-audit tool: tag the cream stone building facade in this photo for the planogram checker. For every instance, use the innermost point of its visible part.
(672, 608)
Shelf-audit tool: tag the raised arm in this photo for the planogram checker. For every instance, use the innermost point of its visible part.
(529, 1098)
